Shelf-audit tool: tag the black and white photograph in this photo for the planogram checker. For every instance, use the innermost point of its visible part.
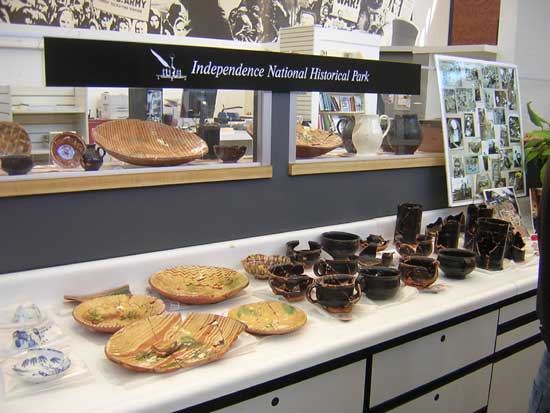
(512, 100)
(487, 130)
(477, 94)
(450, 101)
(505, 206)
(500, 182)
(507, 77)
(458, 167)
(515, 179)
(495, 168)
(489, 147)
(483, 182)
(451, 74)
(501, 98)
(471, 165)
(490, 77)
(481, 115)
(518, 157)
(489, 98)
(454, 133)
(485, 162)
(471, 73)
(465, 100)
(504, 136)
(462, 189)
(499, 116)
(469, 126)
(507, 158)
(514, 129)
(474, 146)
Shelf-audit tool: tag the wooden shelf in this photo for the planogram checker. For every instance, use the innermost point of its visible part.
(60, 111)
(361, 165)
(98, 181)
(328, 112)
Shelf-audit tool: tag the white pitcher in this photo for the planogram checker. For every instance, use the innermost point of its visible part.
(367, 133)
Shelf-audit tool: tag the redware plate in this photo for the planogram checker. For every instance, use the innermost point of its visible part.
(66, 149)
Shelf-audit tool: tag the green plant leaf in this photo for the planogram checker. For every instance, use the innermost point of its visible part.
(543, 171)
(533, 143)
(546, 152)
(543, 134)
(531, 156)
(535, 118)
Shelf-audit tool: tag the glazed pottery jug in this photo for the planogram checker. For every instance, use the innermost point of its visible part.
(92, 158)
(368, 135)
(345, 128)
(405, 135)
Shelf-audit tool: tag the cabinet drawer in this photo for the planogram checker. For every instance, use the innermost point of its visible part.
(518, 334)
(417, 362)
(518, 309)
(465, 395)
(340, 390)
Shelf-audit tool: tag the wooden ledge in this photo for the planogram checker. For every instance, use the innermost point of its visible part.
(11, 188)
(333, 167)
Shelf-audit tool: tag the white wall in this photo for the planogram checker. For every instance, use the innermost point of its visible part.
(432, 19)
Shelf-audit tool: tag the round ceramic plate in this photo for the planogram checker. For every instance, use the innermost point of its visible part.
(111, 313)
(165, 343)
(14, 140)
(41, 365)
(197, 284)
(66, 149)
(269, 317)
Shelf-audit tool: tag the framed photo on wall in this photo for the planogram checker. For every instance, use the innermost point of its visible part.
(483, 135)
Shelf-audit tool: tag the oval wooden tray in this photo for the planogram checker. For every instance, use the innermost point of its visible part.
(165, 343)
(314, 142)
(111, 313)
(197, 284)
(149, 143)
(269, 317)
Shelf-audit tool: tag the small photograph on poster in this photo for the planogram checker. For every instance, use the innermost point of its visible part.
(489, 98)
(490, 77)
(499, 116)
(465, 101)
(507, 158)
(462, 189)
(451, 75)
(518, 161)
(495, 168)
(487, 130)
(505, 206)
(471, 165)
(535, 195)
(483, 182)
(474, 146)
(469, 126)
(450, 101)
(485, 162)
(471, 73)
(515, 179)
(512, 100)
(477, 93)
(504, 136)
(514, 129)
(507, 77)
(454, 132)
(501, 98)
(500, 182)
(458, 167)
(489, 147)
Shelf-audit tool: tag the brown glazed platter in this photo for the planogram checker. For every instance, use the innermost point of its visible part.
(258, 265)
(269, 317)
(197, 284)
(164, 343)
(111, 313)
(314, 142)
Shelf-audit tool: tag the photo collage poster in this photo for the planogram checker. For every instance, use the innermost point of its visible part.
(481, 119)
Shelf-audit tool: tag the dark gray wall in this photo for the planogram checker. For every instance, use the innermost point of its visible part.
(49, 230)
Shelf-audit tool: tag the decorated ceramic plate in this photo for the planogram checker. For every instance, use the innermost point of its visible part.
(14, 140)
(314, 142)
(269, 317)
(258, 264)
(66, 149)
(197, 284)
(111, 313)
(41, 365)
(164, 343)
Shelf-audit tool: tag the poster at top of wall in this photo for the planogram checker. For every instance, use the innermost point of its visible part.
(132, 9)
(242, 20)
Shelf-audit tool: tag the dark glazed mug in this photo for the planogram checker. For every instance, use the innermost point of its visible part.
(305, 257)
(329, 267)
(340, 244)
(456, 263)
(336, 293)
(379, 283)
(289, 281)
(419, 272)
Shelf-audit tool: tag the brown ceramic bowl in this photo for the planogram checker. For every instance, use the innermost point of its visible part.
(289, 281)
(379, 283)
(229, 154)
(419, 272)
(17, 164)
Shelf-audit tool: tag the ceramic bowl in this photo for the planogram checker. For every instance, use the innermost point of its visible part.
(343, 266)
(424, 245)
(381, 243)
(17, 164)
(419, 272)
(379, 283)
(289, 281)
(305, 257)
(229, 154)
(336, 293)
(41, 365)
(340, 244)
(456, 263)
(27, 313)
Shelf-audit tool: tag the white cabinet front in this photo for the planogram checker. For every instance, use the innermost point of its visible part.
(340, 390)
(410, 365)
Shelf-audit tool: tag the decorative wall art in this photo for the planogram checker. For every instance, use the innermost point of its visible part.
(481, 117)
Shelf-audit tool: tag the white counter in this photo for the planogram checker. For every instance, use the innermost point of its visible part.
(322, 339)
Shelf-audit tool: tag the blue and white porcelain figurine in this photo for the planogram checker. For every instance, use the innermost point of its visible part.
(41, 365)
(27, 313)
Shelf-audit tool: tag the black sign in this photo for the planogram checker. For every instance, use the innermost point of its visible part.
(73, 62)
